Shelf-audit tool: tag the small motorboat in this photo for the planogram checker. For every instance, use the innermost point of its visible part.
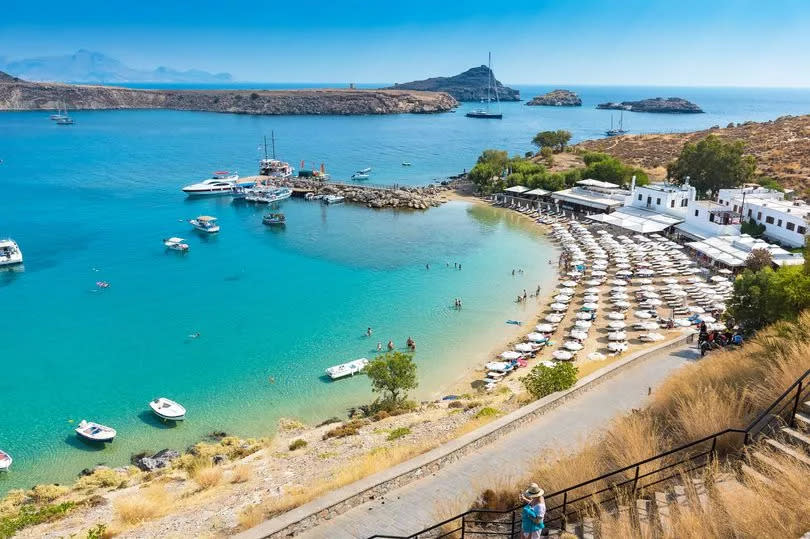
(406, 164)
(95, 432)
(176, 244)
(360, 176)
(65, 120)
(221, 183)
(333, 199)
(274, 219)
(366, 170)
(5, 461)
(309, 196)
(10, 252)
(168, 409)
(347, 369)
(205, 223)
(102, 284)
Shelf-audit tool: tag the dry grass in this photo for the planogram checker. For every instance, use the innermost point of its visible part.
(250, 516)
(145, 504)
(207, 477)
(241, 473)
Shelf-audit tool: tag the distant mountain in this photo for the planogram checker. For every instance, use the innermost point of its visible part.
(468, 86)
(88, 66)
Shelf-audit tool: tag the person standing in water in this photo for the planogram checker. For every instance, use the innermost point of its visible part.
(368, 332)
(390, 345)
(379, 346)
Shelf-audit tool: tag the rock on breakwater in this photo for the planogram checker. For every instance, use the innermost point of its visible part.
(16, 94)
(417, 198)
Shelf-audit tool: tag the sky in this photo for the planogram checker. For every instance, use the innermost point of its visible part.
(621, 42)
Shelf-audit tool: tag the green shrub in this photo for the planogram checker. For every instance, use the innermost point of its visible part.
(31, 516)
(379, 416)
(99, 531)
(297, 444)
(486, 411)
(329, 421)
(455, 404)
(542, 380)
(472, 404)
(347, 429)
(398, 433)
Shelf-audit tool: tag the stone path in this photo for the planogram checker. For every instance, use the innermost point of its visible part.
(413, 507)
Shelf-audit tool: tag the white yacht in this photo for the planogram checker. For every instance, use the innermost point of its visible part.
(95, 432)
(347, 369)
(10, 252)
(5, 461)
(176, 244)
(221, 183)
(205, 223)
(333, 199)
(168, 409)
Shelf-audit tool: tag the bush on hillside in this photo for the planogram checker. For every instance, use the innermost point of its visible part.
(542, 380)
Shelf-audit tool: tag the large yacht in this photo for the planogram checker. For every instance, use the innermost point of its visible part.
(10, 252)
(221, 183)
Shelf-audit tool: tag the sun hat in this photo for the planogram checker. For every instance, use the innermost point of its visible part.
(533, 491)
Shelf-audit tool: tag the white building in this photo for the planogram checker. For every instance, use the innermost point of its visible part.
(705, 218)
(591, 196)
(732, 251)
(732, 197)
(785, 221)
(661, 198)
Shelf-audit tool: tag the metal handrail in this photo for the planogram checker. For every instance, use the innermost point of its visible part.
(756, 426)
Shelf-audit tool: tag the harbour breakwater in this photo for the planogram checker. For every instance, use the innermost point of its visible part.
(17, 94)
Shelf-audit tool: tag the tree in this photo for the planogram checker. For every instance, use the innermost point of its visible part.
(542, 380)
(752, 228)
(712, 164)
(556, 140)
(766, 296)
(392, 374)
(758, 259)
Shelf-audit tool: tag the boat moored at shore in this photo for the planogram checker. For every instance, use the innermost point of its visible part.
(5, 461)
(95, 432)
(10, 252)
(168, 409)
(267, 195)
(333, 199)
(347, 369)
(205, 223)
(221, 183)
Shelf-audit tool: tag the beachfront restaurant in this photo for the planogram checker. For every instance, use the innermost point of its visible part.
(636, 220)
(732, 251)
(521, 196)
(591, 196)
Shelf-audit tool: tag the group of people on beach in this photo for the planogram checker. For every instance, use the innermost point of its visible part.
(457, 304)
(410, 343)
(526, 295)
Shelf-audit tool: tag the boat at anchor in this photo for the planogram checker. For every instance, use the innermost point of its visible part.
(347, 369)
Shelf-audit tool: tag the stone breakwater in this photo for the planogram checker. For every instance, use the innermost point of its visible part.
(417, 198)
(16, 94)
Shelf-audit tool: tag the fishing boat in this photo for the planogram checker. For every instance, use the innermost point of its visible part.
(615, 132)
(168, 409)
(205, 223)
(265, 195)
(95, 432)
(274, 219)
(176, 244)
(333, 199)
(5, 461)
(485, 113)
(347, 369)
(10, 252)
(221, 183)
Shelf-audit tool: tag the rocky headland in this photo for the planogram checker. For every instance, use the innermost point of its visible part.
(468, 86)
(417, 198)
(16, 94)
(556, 98)
(672, 105)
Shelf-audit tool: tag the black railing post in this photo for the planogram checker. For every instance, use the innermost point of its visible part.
(462, 525)
(635, 480)
(792, 421)
(563, 518)
(512, 530)
(714, 446)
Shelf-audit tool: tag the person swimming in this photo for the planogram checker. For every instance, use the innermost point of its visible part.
(194, 336)
(368, 332)
(379, 346)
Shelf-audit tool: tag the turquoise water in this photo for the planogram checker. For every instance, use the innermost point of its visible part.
(92, 202)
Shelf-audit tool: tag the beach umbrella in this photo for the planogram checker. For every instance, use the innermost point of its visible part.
(621, 304)
(616, 316)
(593, 282)
(498, 366)
(510, 355)
(626, 273)
(558, 307)
(583, 316)
(618, 296)
(562, 355)
(648, 294)
(719, 279)
(642, 314)
(623, 266)
(617, 324)
(524, 347)
(591, 298)
(647, 287)
(683, 322)
(651, 337)
(536, 337)
(670, 280)
(645, 281)
(593, 290)
(617, 336)
(582, 324)
(598, 273)
(618, 289)
(567, 291)
(648, 325)
(696, 309)
(719, 306)
(617, 346)
(679, 293)
(562, 298)
(725, 271)
(578, 334)
(569, 283)
(572, 345)
(708, 319)
(553, 318)
(653, 302)
(590, 306)
(549, 364)
(597, 356)
(618, 282)
(574, 274)
(544, 328)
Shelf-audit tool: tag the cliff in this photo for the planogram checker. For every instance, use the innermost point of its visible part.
(676, 105)
(557, 98)
(781, 148)
(22, 95)
(468, 86)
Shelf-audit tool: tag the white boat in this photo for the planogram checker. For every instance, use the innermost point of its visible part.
(347, 369)
(333, 199)
(10, 252)
(221, 183)
(364, 170)
(265, 195)
(67, 120)
(360, 176)
(168, 409)
(275, 169)
(175, 244)
(205, 223)
(5, 461)
(95, 432)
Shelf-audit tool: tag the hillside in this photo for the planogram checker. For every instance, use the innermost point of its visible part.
(22, 95)
(781, 148)
(468, 86)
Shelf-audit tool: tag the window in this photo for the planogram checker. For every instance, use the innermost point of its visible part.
(697, 212)
(790, 226)
(649, 200)
(657, 201)
(639, 196)
(801, 230)
(735, 207)
(726, 202)
(672, 204)
(719, 201)
(769, 220)
(750, 211)
(684, 203)
(711, 217)
(759, 216)
(779, 222)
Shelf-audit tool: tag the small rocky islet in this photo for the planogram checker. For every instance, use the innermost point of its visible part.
(670, 105)
(470, 85)
(556, 98)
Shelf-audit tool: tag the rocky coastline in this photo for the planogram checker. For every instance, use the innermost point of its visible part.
(16, 94)
(556, 98)
(669, 105)
(415, 198)
(468, 86)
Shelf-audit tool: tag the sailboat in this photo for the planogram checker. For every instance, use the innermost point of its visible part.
(58, 114)
(485, 112)
(620, 131)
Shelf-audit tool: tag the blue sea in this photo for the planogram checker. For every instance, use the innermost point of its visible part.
(273, 308)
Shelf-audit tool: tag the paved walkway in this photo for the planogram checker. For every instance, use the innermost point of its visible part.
(413, 507)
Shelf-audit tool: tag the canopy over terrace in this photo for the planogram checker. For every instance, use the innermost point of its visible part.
(732, 251)
(636, 220)
(516, 190)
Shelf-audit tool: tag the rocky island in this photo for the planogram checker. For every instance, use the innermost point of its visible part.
(468, 86)
(17, 94)
(557, 98)
(672, 105)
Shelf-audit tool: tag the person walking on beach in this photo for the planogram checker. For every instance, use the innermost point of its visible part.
(533, 512)
(525, 295)
(538, 291)
(513, 273)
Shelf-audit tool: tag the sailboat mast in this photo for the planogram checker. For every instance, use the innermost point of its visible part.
(489, 77)
(273, 139)
(265, 146)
